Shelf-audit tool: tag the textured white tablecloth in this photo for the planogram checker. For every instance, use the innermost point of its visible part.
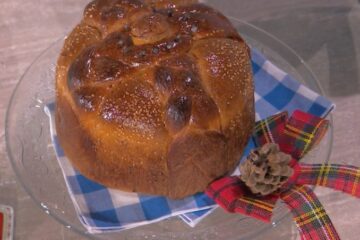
(325, 33)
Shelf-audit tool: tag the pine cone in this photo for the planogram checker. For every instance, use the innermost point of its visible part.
(266, 169)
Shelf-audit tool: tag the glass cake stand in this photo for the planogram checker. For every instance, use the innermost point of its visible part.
(34, 162)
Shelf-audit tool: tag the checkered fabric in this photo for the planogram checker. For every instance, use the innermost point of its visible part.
(101, 209)
(193, 218)
(344, 178)
(309, 214)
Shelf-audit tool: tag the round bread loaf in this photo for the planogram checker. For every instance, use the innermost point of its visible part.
(154, 96)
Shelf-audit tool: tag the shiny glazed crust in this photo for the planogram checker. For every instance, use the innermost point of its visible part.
(154, 96)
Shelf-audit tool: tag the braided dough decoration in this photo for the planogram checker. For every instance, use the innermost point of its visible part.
(154, 96)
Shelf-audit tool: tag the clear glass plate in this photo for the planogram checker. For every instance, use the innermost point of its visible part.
(34, 162)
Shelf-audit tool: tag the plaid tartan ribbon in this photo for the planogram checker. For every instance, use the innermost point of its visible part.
(296, 136)
(343, 178)
(309, 214)
(232, 195)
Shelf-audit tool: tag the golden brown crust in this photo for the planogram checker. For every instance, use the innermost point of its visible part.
(154, 96)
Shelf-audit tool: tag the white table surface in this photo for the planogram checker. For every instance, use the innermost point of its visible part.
(326, 33)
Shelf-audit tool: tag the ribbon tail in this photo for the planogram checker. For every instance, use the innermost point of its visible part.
(343, 178)
(309, 214)
(270, 129)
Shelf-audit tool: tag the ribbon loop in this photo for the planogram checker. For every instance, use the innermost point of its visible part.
(226, 191)
(302, 132)
(231, 194)
(270, 129)
(295, 136)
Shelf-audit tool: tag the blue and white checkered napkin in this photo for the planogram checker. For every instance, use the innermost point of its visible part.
(103, 209)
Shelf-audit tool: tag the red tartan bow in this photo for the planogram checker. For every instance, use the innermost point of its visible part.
(296, 136)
